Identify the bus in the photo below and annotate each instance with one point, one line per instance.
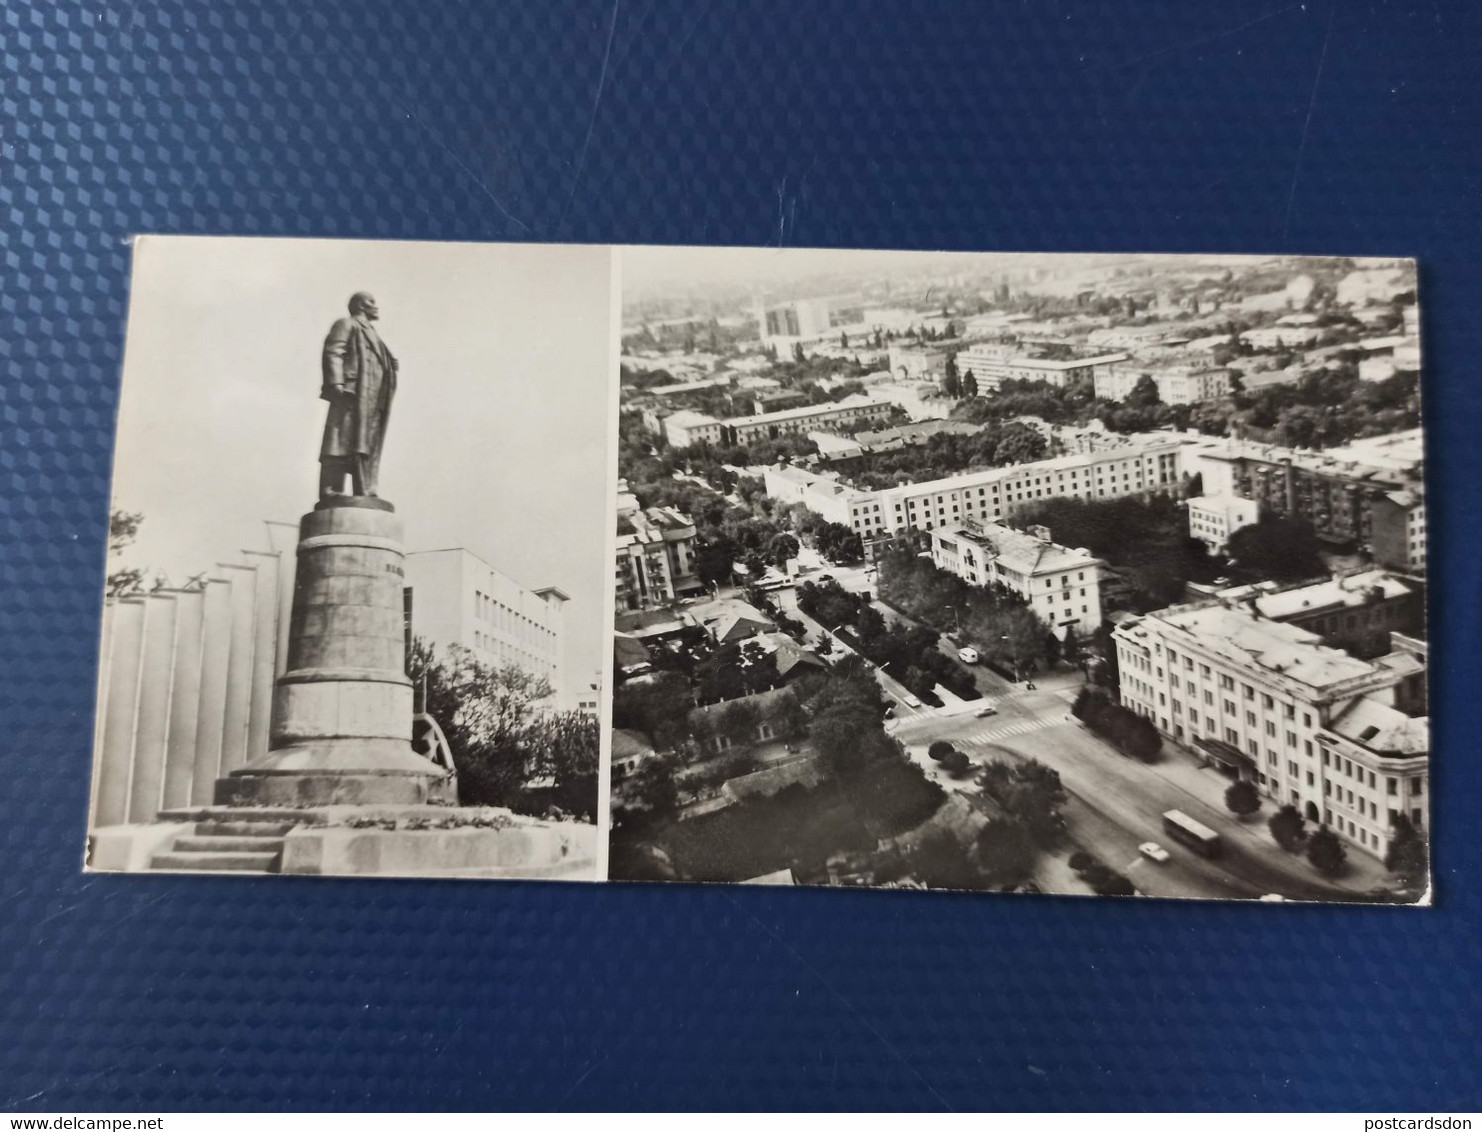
(1198, 837)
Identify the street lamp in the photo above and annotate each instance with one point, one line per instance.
(1015, 648)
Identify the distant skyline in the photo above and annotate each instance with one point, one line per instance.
(498, 438)
(650, 273)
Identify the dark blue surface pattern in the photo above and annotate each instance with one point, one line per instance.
(1325, 127)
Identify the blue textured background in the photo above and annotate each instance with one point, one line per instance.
(1325, 127)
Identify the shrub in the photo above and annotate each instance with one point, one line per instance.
(939, 750)
(1080, 861)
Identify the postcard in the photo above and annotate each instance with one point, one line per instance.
(1011, 573)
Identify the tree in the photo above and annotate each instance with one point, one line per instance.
(1326, 852)
(1277, 547)
(939, 750)
(969, 384)
(500, 736)
(786, 716)
(951, 382)
(648, 794)
(1242, 798)
(1029, 792)
(1112, 883)
(123, 529)
(1408, 857)
(956, 763)
(1143, 394)
(782, 548)
(1287, 828)
(738, 722)
(1006, 851)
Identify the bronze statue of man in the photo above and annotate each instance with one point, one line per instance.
(359, 380)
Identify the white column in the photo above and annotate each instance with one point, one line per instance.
(237, 716)
(152, 729)
(264, 651)
(185, 699)
(116, 754)
(216, 637)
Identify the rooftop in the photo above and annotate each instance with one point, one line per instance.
(854, 401)
(688, 418)
(1019, 550)
(1275, 646)
(1335, 593)
(1383, 729)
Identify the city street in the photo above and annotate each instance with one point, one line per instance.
(1116, 803)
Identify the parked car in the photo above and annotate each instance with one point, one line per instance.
(967, 655)
(985, 711)
(912, 701)
(1273, 898)
(1153, 851)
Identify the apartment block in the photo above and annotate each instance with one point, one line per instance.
(655, 554)
(801, 421)
(1370, 493)
(1061, 585)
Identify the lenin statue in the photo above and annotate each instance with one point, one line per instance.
(359, 380)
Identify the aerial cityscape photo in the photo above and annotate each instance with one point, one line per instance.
(1021, 573)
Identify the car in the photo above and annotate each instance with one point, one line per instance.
(967, 655)
(1153, 851)
(912, 701)
(1273, 898)
(824, 578)
(985, 711)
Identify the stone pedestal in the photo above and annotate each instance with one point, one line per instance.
(341, 724)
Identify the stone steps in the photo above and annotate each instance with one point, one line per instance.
(215, 862)
(217, 843)
(242, 828)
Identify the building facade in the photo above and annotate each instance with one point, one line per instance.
(801, 421)
(1143, 463)
(1312, 726)
(655, 554)
(1342, 492)
(1214, 518)
(1061, 585)
(459, 599)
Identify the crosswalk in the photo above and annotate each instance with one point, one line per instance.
(1017, 727)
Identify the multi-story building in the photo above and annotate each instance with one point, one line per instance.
(459, 599)
(820, 492)
(1061, 585)
(1342, 492)
(655, 554)
(1397, 535)
(1357, 612)
(1138, 464)
(1182, 384)
(991, 371)
(918, 362)
(1268, 701)
(801, 421)
(684, 428)
(1148, 462)
(1214, 518)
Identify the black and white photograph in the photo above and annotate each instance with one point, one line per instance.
(358, 571)
(1064, 574)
